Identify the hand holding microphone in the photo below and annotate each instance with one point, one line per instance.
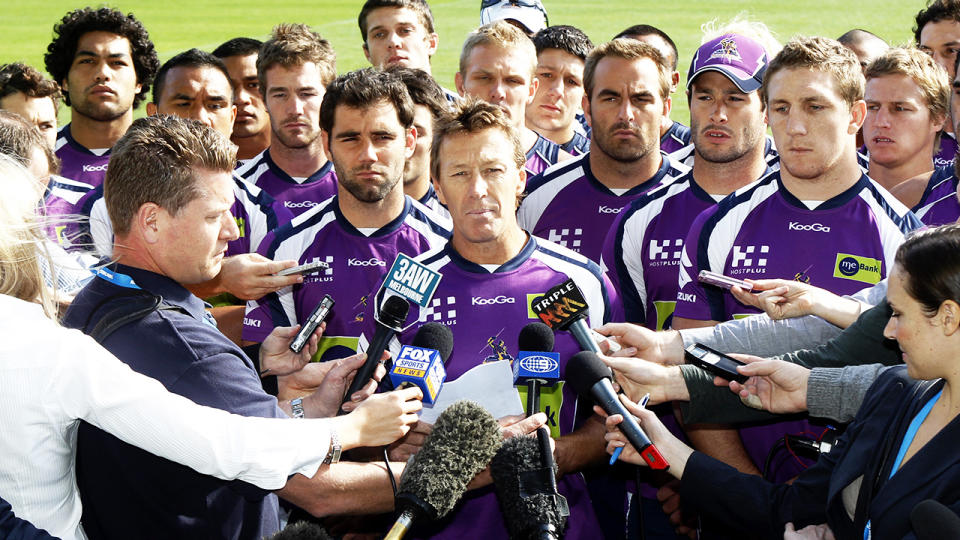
(392, 315)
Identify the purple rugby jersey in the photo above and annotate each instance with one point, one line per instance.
(947, 151)
(641, 254)
(486, 309)
(357, 262)
(577, 146)
(541, 156)
(762, 231)
(939, 205)
(296, 195)
(569, 206)
(79, 163)
(675, 138)
(62, 200)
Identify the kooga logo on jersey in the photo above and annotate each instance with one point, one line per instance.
(815, 227)
(369, 262)
(95, 168)
(480, 301)
(608, 210)
(301, 204)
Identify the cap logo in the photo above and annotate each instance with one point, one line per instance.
(727, 50)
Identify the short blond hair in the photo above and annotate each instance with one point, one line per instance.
(628, 49)
(472, 115)
(498, 34)
(156, 161)
(932, 79)
(293, 45)
(821, 54)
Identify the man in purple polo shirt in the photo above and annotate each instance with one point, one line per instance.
(498, 65)
(574, 203)
(294, 67)
(818, 219)
(104, 61)
(367, 119)
(492, 269)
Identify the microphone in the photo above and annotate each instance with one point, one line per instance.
(591, 377)
(421, 364)
(432, 335)
(527, 491)
(535, 364)
(564, 308)
(932, 520)
(392, 316)
(462, 442)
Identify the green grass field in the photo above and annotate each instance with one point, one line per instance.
(176, 25)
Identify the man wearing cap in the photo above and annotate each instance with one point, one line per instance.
(527, 15)
(574, 203)
(641, 254)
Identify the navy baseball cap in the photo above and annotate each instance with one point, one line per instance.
(740, 58)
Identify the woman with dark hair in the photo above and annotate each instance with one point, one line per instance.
(900, 449)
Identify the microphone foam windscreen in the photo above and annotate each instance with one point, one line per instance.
(933, 520)
(462, 442)
(435, 336)
(536, 336)
(394, 311)
(584, 370)
(522, 489)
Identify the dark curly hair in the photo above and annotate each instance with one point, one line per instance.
(78, 22)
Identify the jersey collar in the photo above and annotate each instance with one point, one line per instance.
(323, 171)
(394, 224)
(513, 264)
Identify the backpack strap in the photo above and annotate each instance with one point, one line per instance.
(138, 305)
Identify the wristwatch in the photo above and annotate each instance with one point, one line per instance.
(296, 407)
(333, 456)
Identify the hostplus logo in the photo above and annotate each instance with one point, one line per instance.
(666, 252)
(323, 275)
(568, 238)
(441, 310)
(747, 258)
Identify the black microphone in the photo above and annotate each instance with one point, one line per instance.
(436, 336)
(932, 520)
(564, 308)
(431, 335)
(462, 442)
(532, 509)
(591, 377)
(392, 316)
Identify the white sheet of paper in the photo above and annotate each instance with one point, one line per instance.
(490, 385)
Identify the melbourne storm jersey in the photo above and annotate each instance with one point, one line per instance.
(947, 151)
(569, 206)
(578, 145)
(541, 155)
(762, 231)
(79, 163)
(62, 206)
(295, 194)
(486, 309)
(641, 254)
(357, 263)
(939, 204)
(431, 201)
(675, 138)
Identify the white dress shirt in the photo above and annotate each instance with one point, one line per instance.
(52, 377)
